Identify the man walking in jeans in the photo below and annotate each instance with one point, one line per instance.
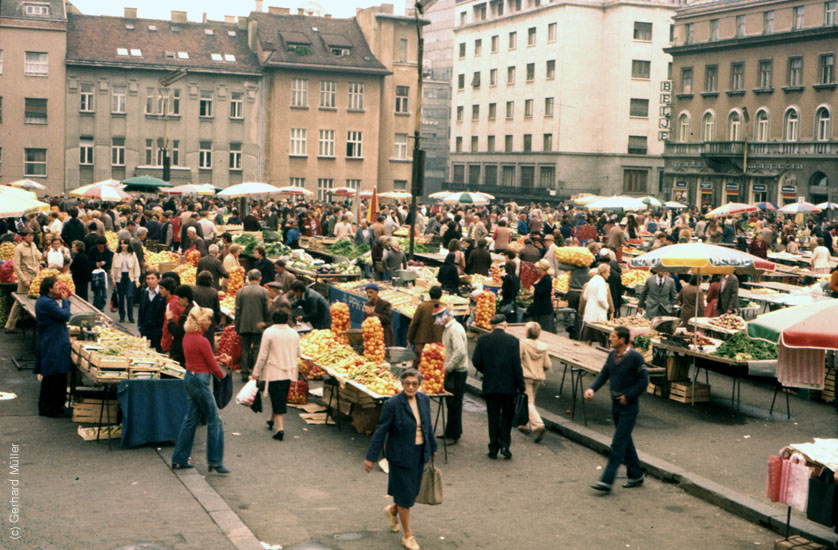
(627, 370)
(497, 356)
(251, 319)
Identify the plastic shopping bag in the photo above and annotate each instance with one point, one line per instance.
(247, 394)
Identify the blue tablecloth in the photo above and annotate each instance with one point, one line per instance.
(152, 410)
(356, 314)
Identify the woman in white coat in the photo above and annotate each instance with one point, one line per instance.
(596, 296)
(126, 271)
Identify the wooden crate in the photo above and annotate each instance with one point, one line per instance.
(797, 542)
(661, 390)
(677, 367)
(88, 410)
(106, 432)
(828, 393)
(682, 392)
(109, 362)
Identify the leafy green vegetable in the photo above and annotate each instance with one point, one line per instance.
(746, 347)
(346, 249)
(641, 342)
(247, 242)
(418, 248)
(276, 249)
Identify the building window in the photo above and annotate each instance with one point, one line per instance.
(35, 111)
(475, 80)
(474, 144)
(162, 101)
(493, 111)
(118, 151)
(527, 143)
(461, 82)
(791, 125)
(118, 99)
(513, 40)
(547, 143)
(639, 108)
(235, 156)
(528, 108)
(546, 177)
(478, 47)
(548, 106)
(298, 142)
(765, 69)
(299, 92)
(714, 30)
(530, 72)
(733, 127)
(762, 126)
(353, 183)
(86, 98)
(490, 144)
(823, 125)
(36, 64)
(531, 36)
(480, 12)
(507, 142)
(768, 22)
(527, 176)
(458, 145)
(711, 78)
(324, 188)
(490, 174)
(687, 80)
(175, 156)
(149, 152)
(475, 112)
(462, 48)
(642, 31)
(493, 77)
(236, 105)
(463, 19)
(551, 32)
(35, 162)
(634, 181)
(737, 76)
(356, 96)
(510, 110)
(797, 18)
(400, 146)
(403, 50)
(689, 31)
(354, 141)
(328, 89)
(205, 155)
(641, 69)
(205, 106)
(297, 182)
(36, 9)
(326, 144)
(684, 128)
(495, 40)
(550, 73)
(474, 172)
(795, 71)
(637, 145)
(708, 127)
(826, 68)
(459, 113)
(174, 107)
(829, 13)
(459, 173)
(740, 26)
(508, 176)
(86, 151)
(510, 76)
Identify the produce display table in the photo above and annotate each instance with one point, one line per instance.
(401, 322)
(705, 324)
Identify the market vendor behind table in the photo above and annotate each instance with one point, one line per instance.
(315, 307)
(53, 361)
(381, 308)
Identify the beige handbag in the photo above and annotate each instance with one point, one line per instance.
(430, 491)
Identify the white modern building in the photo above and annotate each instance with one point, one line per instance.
(552, 99)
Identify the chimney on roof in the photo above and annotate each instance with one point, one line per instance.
(259, 6)
(328, 16)
(230, 19)
(301, 11)
(204, 18)
(178, 16)
(252, 28)
(387, 8)
(130, 13)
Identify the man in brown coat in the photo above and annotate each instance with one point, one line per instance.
(381, 308)
(423, 330)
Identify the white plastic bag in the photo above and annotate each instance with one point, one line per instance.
(247, 394)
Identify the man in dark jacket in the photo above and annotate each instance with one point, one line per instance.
(479, 260)
(729, 294)
(207, 296)
(381, 308)
(185, 239)
(497, 357)
(626, 369)
(315, 307)
(423, 330)
(152, 310)
(73, 229)
(211, 263)
(264, 265)
(251, 319)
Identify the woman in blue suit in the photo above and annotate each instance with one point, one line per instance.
(52, 311)
(405, 426)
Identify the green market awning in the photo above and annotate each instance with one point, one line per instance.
(145, 182)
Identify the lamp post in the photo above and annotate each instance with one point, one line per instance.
(166, 81)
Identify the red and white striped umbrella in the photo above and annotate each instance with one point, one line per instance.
(731, 209)
(799, 208)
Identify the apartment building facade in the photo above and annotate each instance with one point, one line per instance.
(552, 99)
(32, 50)
(147, 86)
(754, 102)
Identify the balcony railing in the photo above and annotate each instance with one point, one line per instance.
(758, 148)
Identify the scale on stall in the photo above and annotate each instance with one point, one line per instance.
(81, 325)
(665, 326)
(400, 359)
(404, 277)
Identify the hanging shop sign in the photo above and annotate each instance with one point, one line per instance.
(760, 188)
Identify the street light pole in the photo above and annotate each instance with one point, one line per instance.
(166, 81)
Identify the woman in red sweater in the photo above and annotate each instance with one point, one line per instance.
(200, 365)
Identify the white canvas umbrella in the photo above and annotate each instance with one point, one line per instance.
(28, 184)
(80, 191)
(651, 201)
(396, 195)
(190, 189)
(247, 189)
(731, 209)
(294, 190)
(799, 208)
(628, 204)
(18, 202)
(674, 204)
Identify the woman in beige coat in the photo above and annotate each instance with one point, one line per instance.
(534, 361)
